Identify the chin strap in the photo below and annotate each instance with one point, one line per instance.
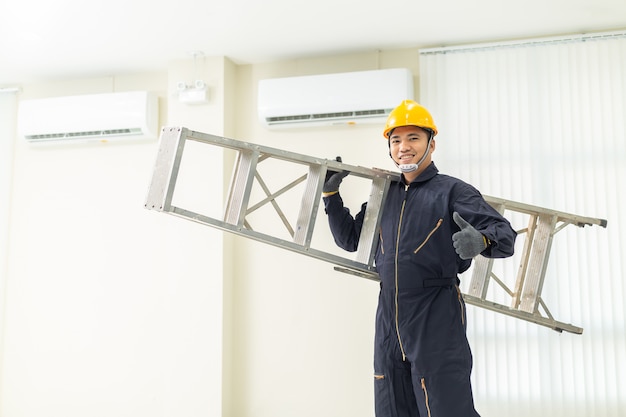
(413, 167)
(408, 167)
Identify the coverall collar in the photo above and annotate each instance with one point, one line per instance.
(430, 171)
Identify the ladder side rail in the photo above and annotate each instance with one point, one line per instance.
(532, 318)
(223, 142)
(531, 209)
(367, 270)
(280, 154)
(538, 262)
(331, 164)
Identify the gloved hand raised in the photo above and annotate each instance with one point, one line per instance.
(332, 183)
(333, 180)
(468, 242)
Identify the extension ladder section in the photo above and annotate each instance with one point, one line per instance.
(525, 297)
(245, 175)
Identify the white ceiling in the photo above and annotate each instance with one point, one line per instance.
(44, 40)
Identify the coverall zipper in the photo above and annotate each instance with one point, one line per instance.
(396, 273)
(396, 267)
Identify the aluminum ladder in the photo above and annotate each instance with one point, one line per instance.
(525, 296)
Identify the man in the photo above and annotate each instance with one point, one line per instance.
(432, 227)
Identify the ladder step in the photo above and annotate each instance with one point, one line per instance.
(239, 194)
(538, 262)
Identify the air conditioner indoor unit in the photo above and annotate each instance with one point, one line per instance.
(333, 99)
(93, 117)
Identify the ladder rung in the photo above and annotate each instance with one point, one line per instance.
(239, 193)
(310, 203)
(373, 214)
(539, 255)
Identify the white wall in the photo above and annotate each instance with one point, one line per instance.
(110, 309)
(8, 116)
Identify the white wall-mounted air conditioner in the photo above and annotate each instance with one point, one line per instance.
(93, 117)
(333, 99)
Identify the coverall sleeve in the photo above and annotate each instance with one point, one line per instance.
(471, 205)
(345, 229)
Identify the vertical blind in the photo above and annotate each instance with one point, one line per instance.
(543, 122)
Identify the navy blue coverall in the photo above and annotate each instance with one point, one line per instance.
(422, 359)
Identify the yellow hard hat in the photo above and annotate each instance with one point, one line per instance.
(409, 113)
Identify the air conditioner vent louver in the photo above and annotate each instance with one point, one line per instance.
(346, 115)
(332, 99)
(279, 119)
(374, 112)
(103, 134)
(95, 117)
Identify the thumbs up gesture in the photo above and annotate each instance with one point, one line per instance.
(468, 242)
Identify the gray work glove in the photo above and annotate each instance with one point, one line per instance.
(333, 179)
(468, 242)
(332, 183)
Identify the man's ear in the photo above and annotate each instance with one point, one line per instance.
(432, 145)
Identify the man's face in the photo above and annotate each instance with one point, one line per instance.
(407, 145)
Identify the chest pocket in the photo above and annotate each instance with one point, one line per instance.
(429, 235)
